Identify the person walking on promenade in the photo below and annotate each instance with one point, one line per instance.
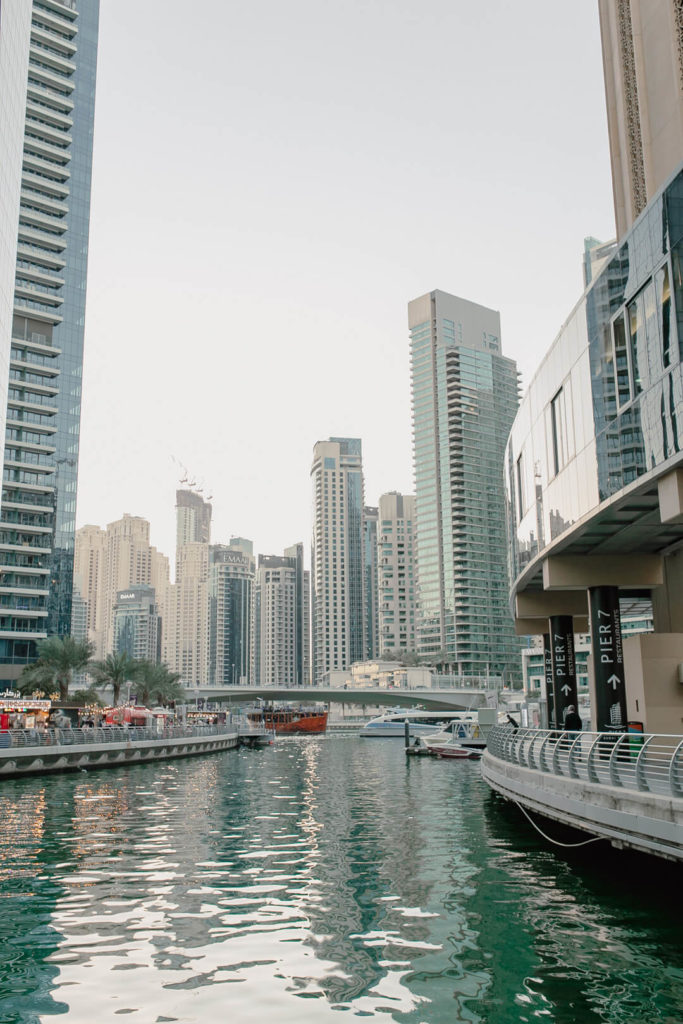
(572, 720)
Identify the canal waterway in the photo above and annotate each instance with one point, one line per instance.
(318, 880)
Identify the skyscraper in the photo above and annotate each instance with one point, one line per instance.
(193, 519)
(337, 555)
(232, 573)
(15, 29)
(281, 622)
(303, 615)
(107, 562)
(396, 573)
(642, 48)
(464, 396)
(185, 634)
(37, 520)
(371, 624)
(136, 624)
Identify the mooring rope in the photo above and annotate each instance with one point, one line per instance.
(569, 846)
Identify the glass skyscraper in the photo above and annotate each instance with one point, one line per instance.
(464, 396)
(44, 395)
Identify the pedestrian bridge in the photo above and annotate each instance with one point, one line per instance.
(430, 699)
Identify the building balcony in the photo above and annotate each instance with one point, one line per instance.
(26, 570)
(48, 187)
(39, 294)
(49, 372)
(56, 102)
(55, 173)
(47, 126)
(15, 634)
(25, 591)
(43, 239)
(39, 257)
(41, 275)
(25, 403)
(55, 39)
(40, 52)
(51, 78)
(64, 14)
(42, 221)
(54, 206)
(36, 144)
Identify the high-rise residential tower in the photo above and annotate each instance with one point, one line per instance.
(337, 555)
(185, 634)
(15, 29)
(113, 560)
(371, 624)
(281, 621)
(137, 625)
(232, 573)
(397, 573)
(303, 615)
(464, 396)
(193, 519)
(37, 519)
(642, 50)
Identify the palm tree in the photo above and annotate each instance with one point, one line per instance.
(114, 671)
(158, 684)
(88, 696)
(58, 658)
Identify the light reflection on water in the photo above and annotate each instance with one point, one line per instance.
(316, 878)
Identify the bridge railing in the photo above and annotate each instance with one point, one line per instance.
(646, 762)
(109, 734)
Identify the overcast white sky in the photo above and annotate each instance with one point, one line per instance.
(272, 183)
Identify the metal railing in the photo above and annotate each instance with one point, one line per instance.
(645, 762)
(110, 734)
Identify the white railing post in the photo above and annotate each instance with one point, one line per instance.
(590, 762)
(573, 774)
(641, 780)
(541, 754)
(614, 778)
(674, 784)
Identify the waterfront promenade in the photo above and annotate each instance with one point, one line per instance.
(31, 751)
(624, 788)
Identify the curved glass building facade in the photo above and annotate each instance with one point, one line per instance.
(602, 421)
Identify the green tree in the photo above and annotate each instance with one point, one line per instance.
(58, 658)
(89, 696)
(157, 684)
(114, 671)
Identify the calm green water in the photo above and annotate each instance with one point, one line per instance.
(318, 880)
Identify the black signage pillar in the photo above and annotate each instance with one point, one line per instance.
(608, 660)
(564, 665)
(549, 692)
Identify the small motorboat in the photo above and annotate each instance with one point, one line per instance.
(457, 750)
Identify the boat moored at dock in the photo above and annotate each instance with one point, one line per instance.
(289, 720)
(420, 723)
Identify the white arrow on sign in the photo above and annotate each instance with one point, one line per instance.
(566, 690)
(613, 681)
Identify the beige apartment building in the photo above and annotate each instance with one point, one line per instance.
(184, 644)
(113, 560)
(396, 567)
(642, 47)
(185, 634)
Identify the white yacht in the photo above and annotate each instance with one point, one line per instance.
(421, 723)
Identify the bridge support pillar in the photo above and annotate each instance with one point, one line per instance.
(564, 665)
